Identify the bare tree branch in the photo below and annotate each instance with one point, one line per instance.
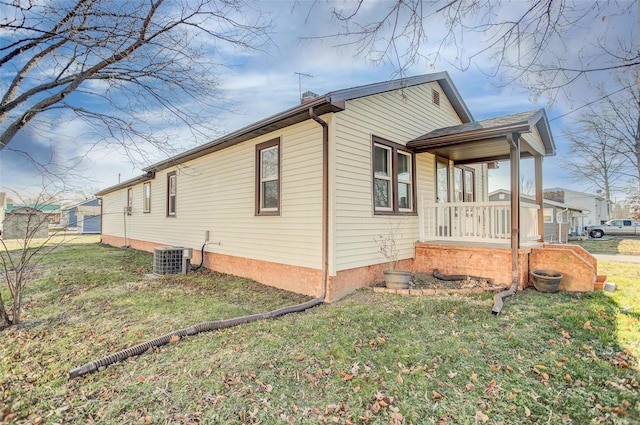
(116, 64)
(531, 42)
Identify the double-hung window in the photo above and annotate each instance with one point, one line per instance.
(268, 178)
(393, 184)
(172, 191)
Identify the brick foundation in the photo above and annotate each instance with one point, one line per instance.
(578, 267)
(301, 280)
(347, 281)
(451, 259)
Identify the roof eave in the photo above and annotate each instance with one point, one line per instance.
(130, 182)
(469, 136)
(542, 125)
(321, 105)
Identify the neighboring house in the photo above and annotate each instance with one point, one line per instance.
(296, 200)
(83, 217)
(25, 222)
(597, 207)
(560, 220)
(52, 212)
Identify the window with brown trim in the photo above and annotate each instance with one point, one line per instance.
(172, 193)
(146, 197)
(393, 178)
(268, 178)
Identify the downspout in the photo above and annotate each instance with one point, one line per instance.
(325, 199)
(514, 153)
(222, 324)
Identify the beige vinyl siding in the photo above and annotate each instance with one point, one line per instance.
(397, 116)
(113, 212)
(216, 193)
(534, 140)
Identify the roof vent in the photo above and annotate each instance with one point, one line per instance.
(308, 96)
(436, 97)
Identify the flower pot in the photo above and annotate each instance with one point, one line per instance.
(397, 280)
(546, 280)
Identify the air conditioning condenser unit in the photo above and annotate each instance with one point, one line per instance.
(171, 260)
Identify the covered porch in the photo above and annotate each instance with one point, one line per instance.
(510, 137)
(498, 240)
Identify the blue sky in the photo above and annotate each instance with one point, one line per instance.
(261, 84)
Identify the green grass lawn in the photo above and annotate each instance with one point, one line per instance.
(611, 245)
(368, 359)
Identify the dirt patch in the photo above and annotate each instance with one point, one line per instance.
(428, 281)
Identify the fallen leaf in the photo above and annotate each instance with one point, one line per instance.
(527, 412)
(481, 416)
(399, 379)
(436, 395)
(587, 325)
(174, 338)
(470, 387)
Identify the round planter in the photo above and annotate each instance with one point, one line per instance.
(546, 280)
(397, 280)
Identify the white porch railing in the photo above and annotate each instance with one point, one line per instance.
(476, 221)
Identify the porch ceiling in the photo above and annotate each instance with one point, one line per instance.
(486, 140)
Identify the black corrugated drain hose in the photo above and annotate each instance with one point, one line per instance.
(201, 327)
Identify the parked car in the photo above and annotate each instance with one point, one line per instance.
(624, 227)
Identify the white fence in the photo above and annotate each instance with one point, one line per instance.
(476, 221)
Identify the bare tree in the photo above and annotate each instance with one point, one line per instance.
(121, 67)
(26, 240)
(621, 115)
(595, 157)
(543, 44)
(526, 186)
(633, 204)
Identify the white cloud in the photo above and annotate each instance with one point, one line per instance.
(260, 84)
